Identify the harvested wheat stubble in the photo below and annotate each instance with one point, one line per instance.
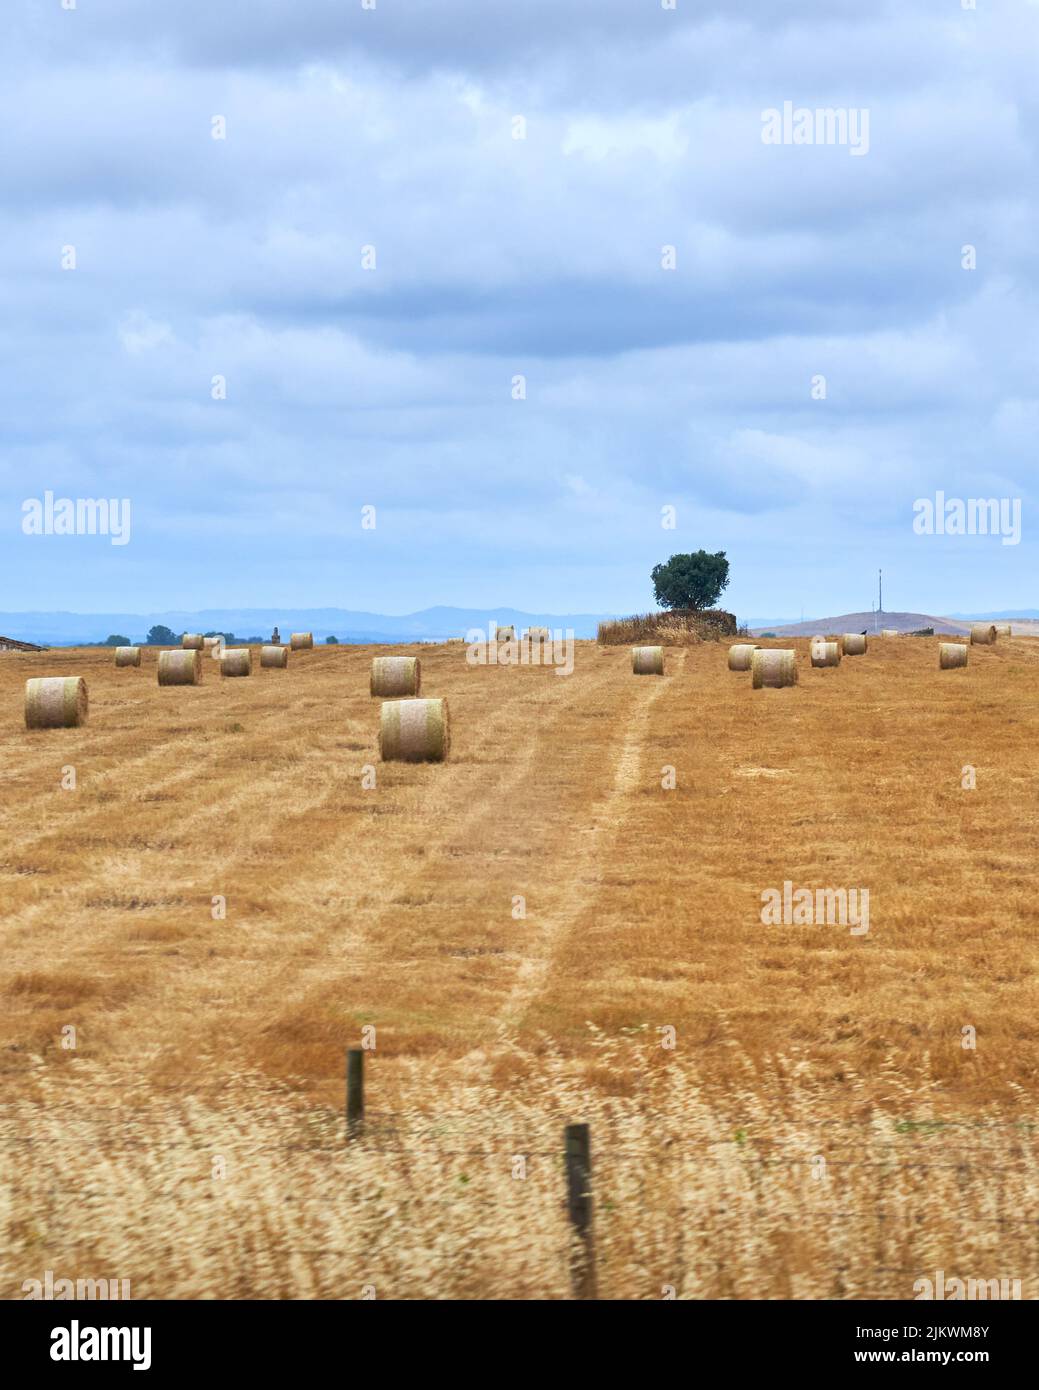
(128, 656)
(395, 675)
(825, 653)
(647, 661)
(414, 731)
(276, 657)
(854, 644)
(889, 632)
(192, 641)
(505, 634)
(774, 667)
(982, 634)
(236, 661)
(55, 702)
(180, 667)
(740, 655)
(1003, 630)
(300, 641)
(951, 655)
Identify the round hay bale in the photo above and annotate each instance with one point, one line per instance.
(774, 667)
(414, 731)
(395, 675)
(505, 634)
(180, 667)
(982, 634)
(538, 634)
(1004, 630)
(192, 641)
(647, 661)
(889, 632)
(56, 702)
(210, 644)
(825, 653)
(236, 661)
(128, 656)
(739, 656)
(854, 644)
(301, 641)
(275, 657)
(952, 655)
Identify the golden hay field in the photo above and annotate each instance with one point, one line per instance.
(818, 1129)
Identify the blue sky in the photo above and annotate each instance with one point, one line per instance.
(347, 387)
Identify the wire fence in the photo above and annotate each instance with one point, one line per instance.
(882, 1146)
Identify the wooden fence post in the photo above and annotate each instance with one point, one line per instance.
(354, 1091)
(578, 1159)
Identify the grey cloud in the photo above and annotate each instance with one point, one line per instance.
(420, 34)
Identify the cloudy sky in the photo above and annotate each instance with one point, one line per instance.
(389, 134)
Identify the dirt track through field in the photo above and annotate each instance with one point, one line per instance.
(578, 864)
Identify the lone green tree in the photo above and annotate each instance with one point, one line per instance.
(160, 636)
(691, 581)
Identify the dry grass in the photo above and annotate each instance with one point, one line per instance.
(199, 1038)
(677, 629)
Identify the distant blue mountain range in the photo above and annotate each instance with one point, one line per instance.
(756, 624)
(1030, 613)
(431, 624)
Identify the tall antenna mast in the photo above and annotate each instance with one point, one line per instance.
(880, 591)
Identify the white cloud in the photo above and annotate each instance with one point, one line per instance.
(138, 333)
